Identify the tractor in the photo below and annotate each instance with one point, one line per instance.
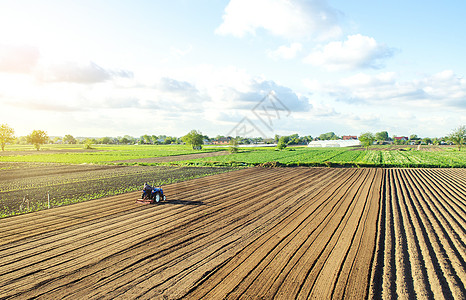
(151, 195)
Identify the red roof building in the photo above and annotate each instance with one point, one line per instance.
(349, 137)
(222, 141)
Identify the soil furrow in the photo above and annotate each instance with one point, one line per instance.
(422, 223)
(213, 213)
(261, 233)
(137, 233)
(232, 269)
(422, 232)
(247, 210)
(421, 285)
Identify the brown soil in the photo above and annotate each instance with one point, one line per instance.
(21, 170)
(254, 233)
(422, 235)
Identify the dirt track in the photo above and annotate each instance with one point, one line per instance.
(271, 233)
(173, 157)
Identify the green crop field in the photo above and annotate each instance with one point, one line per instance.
(382, 156)
(343, 157)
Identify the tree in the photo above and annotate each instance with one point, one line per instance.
(294, 136)
(285, 139)
(6, 135)
(170, 140)
(427, 141)
(69, 139)
(328, 136)
(293, 139)
(367, 139)
(126, 140)
(307, 139)
(37, 138)
(233, 148)
(153, 139)
(381, 136)
(193, 138)
(458, 136)
(282, 141)
(88, 143)
(206, 138)
(105, 140)
(22, 140)
(413, 137)
(145, 139)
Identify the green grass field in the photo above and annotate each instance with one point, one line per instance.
(74, 154)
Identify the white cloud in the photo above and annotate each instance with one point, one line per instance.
(18, 59)
(358, 51)
(27, 60)
(284, 52)
(362, 79)
(234, 89)
(288, 19)
(222, 96)
(443, 89)
(181, 52)
(79, 73)
(43, 105)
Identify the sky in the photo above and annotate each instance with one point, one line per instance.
(238, 67)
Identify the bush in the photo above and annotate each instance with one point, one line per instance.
(233, 146)
(281, 143)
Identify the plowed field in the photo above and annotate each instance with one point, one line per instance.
(254, 233)
(421, 249)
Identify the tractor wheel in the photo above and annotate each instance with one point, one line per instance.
(164, 198)
(157, 197)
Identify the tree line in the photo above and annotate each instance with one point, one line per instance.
(196, 139)
(457, 137)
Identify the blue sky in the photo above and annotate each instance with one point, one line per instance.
(110, 68)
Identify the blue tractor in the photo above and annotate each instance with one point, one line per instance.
(151, 195)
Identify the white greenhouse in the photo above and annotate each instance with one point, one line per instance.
(335, 143)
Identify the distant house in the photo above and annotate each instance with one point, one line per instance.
(401, 138)
(349, 137)
(222, 141)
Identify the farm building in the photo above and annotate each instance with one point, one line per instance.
(335, 143)
(349, 137)
(222, 141)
